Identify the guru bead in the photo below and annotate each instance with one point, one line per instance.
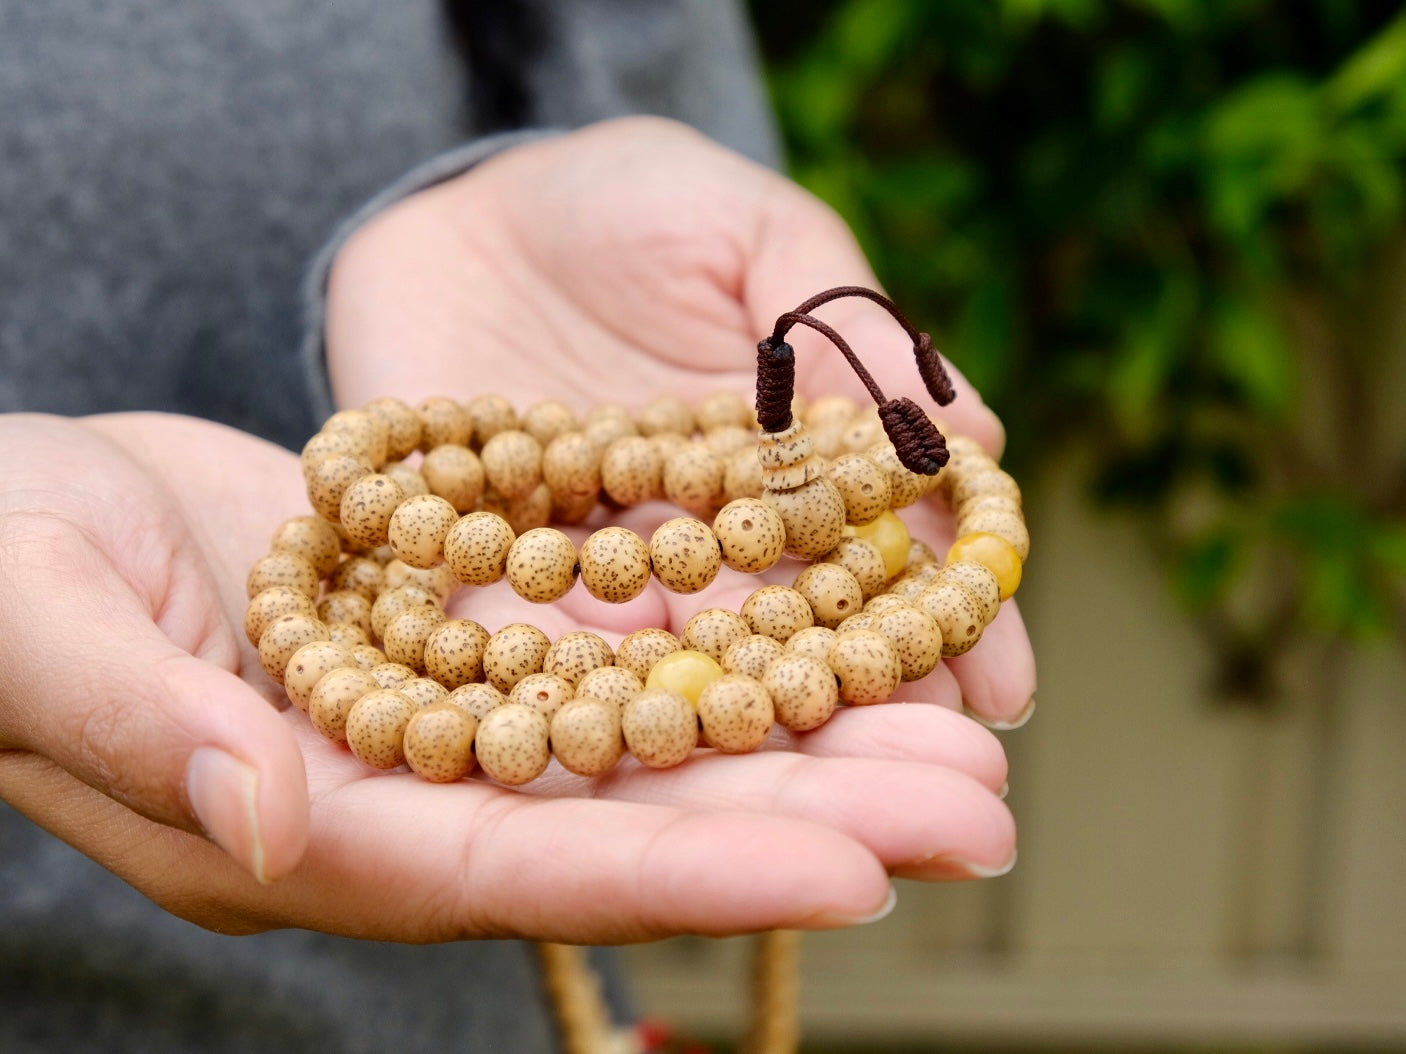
(541, 565)
(575, 654)
(803, 691)
(660, 727)
(439, 742)
(866, 664)
(814, 515)
(513, 744)
(476, 548)
(615, 564)
(750, 534)
(736, 713)
(586, 736)
(417, 530)
(367, 507)
(685, 555)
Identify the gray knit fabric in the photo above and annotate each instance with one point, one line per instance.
(168, 170)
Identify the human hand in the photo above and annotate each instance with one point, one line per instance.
(124, 543)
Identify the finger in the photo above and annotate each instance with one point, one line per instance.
(997, 677)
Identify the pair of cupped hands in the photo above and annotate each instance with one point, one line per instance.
(626, 260)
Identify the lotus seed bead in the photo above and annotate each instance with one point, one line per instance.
(830, 411)
(345, 608)
(282, 637)
(571, 466)
(438, 581)
(544, 692)
(722, 409)
(454, 472)
(908, 588)
(346, 634)
(1007, 525)
(512, 463)
(512, 653)
(814, 515)
(887, 602)
(476, 548)
(604, 431)
(727, 440)
(736, 713)
(477, 698)
(803, 691)
(988, 503)
(367, 656)
(442, 420)
(995, 554)
(489, 415)
(864, 486)
(866, 664)
(863, 560)
(394, 601)
(454, 652)
(541, 565)
(282, 569)
(329, 444)
(660, 727)
(666, 445)
(269, 604)
(693, 480)
(980, 581)
(639, 651)
(328, 482)
(548, 419)
(417, 529)
(513, 744)
(358, 574)
(407, 478)
(685, 673)
(908, 486)
(439, 742)
(406, 634)
(750, 534)
(742, 478)
(586, 736)
(424, 692)
(814, 641)
(831, 591)
(971, 485)
(665, 413)
(685, 555)
(614, 684)
(714, 630)
(958, 615)
(889, 535)
(916, 637)
(575, 654)
(333, 697)
(367, 507)
(615, 564)
(308, 665)
(392, 674)
(312, 538)
(777, 612)
(859, 620)
(632, 471)
(376, 728)
(531, 512)
(752, 655)
(402, 424)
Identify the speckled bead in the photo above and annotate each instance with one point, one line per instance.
(726, 440)
(512, 463)
(814, 641)
(866, 664)
(957, 613)
(863, 431)
(543, 692)
(358, 574)
(407, 478)
(477, 698)
(376, 728)
(586, 736)
(613, 684)
(742, 475)
(286, 570)
(859, 620)
(423, 692)
(343, 607)
(346, 634)
(724, 409)
(329, 479)
(439, 742)
(546, 420)
(330, 444)
(512, 653)
(443, 420)
(367, 656)
(995, 554)
(803, 691)
(571, 465)
(438, 580)
(406, 634)
(693, 480)
(575, 654)
(814, 515)
(916, 637)
(1007, 525)
(367, 507)
(752, 655)
(660, 727)
(476, 548)
(333, 696)
(312, 538)
(454, 652)
(777, 612)
(750, 534)
(887, 602)
(284, 636)
(864, 487)
(640, 650)
(907, 487)
(863, 560)
(980, 582)
(541, 565)
(370, 432)
(394, 601)
(665, 413)
(529, 513)
(572, 509)
(513, 744)
(274, 602)
(308, 665)
(615, 564)
(392, 675)
(908, 587)
(489, 415)
(736, 714)
(666, 445)
(417, 529)
(632, 470)
(713, 630)
(831, 591)
(830, 411)
(968, 486)
(605, 429)
(403, 425)
(454, 473)
(685, 555)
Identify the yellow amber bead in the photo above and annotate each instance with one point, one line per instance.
(686, 672)
(890, 536)
(995, 554)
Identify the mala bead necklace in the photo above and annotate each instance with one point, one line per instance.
(347, 609)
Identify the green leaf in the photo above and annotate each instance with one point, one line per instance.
(1377, 68)
(1206, 568)
(1250, 348)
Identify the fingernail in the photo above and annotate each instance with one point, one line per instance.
(944, 867)
(1004, 791)
(223, 792)
(835, 920)
(1007, 726)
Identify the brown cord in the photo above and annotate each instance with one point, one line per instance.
(776, 385)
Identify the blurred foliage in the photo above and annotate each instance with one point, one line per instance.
(1154, 227)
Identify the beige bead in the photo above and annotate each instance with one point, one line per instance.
(777, 612)
(329, 479)
(477, 698)
(443, 420)
(571, 467)
(548, 419)
(603, 431)
(346, 634)
(727, 440)
(1007, 525)
(863, 560)
(750, 534)
(525, 514)
(665, 413)
(439, 581)
(887, 602)
(343, 607)
(407, 478)
(814, 641)
(814, 515)
(752, 654)
(308, 665)
(544, 692)
(631, 471)
(282, 637)
(403, 425)
(921, 553)
(286, 570)
(614, 684)
(376, 728)
(587, 737)
(864, 487)
(512, 653)
(980, 581)
(476, 548)
(723, 409)
(392, 674)
(615, 564)
(394, 601)
(666, 445)
(455, 473)
(908, 587)
(908, 487)
(271, 603)
(830, 411)
(542, 565)
(439, 742)
(367, 507)
(417, 530)
(803, 691)
(970, 485)
(713, 630)
(370, 431)
(575, 654)
(334, 695)
(572, 509)
(742, 475)
(489, 415)
(424, 692)
(330, 444)
(866, 665)
(958, 615)
(863, 431)
(859, 620)
(788, 457)
(832, 592)
(454, 652)
(640, 650)
(512, 464)
(660, 727)
(513, 744)
(367, 656)
(406, 634)
(989, 503)
(916, 637)
(358, 574)
(312, 538)
(693, 480)
(685, 555)
(736, 713)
